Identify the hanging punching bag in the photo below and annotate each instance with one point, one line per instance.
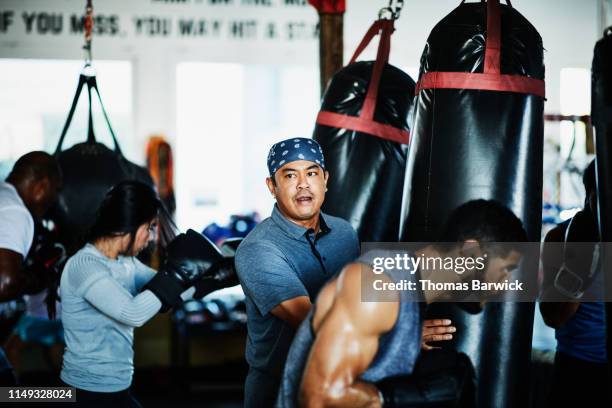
(363, 130)
(478, 133)
(601, 114)
(89, 170)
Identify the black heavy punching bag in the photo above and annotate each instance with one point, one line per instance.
(90, 169)
(363, 130)
(478, 133)
(601, 114)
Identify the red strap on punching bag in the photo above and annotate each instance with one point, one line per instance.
(329, 6)
(490, 79)
(365, 121)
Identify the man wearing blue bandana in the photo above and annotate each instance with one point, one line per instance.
(283, 263)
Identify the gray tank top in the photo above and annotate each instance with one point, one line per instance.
(397, 352)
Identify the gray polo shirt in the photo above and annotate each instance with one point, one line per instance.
(280, 260)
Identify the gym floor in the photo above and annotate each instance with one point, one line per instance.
(211, 386)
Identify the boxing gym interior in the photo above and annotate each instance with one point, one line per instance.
(270, 142)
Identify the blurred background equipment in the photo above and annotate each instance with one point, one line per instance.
(161, 168)
(238, 227)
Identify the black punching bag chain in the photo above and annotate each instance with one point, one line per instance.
(88, 31)
(88, 78)
(392, 11)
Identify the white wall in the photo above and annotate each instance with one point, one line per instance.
(129, 35)
(569, 29)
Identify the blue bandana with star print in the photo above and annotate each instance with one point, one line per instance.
(291, 150)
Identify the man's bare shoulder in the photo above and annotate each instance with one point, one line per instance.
(343, 295)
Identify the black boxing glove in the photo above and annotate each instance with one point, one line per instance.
(43, 266)
(406, 391)
(580, 256)
(190, 257)
(222, 274)
(230, 246)
(451, 386)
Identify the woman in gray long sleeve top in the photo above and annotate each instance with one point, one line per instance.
(102, 299)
